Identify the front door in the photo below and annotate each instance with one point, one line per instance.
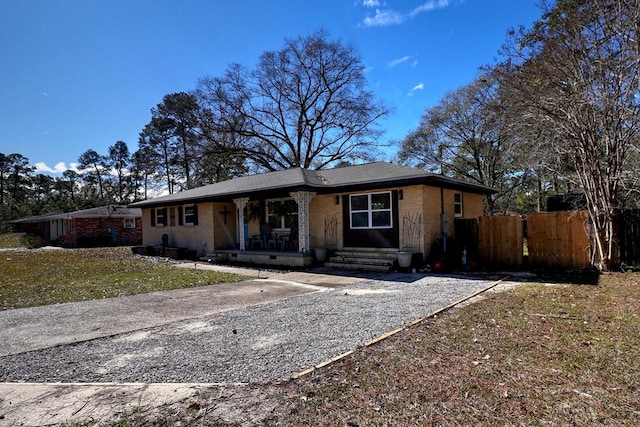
(371, 220)
(55, 229)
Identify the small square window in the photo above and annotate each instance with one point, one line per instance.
(380, 219)
(359, 220)
(380, 201)
(129, 222)
(360, 203)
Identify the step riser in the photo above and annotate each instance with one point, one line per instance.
(363, 260)
(363, 267)
(388, 256)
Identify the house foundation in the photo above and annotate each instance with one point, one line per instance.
(264, 257)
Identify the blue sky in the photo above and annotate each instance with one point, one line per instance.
(83, 74)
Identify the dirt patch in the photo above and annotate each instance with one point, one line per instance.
(53, 404)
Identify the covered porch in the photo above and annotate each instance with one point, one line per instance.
(270, 230)
(276, 223)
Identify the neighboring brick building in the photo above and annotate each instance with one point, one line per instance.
(110, 225)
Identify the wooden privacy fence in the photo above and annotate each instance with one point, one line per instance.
(554, 239)
(500, 240)
(559, 239)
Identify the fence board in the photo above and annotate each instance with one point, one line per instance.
(558, 239)
(500, 240)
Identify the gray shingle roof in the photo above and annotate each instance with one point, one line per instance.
(113, 211)
(365, 176)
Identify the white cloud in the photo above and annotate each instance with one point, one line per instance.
(419, 86)
(58, 168)
(429, 6)
(398, 61)
(384, 18)
(388, 17)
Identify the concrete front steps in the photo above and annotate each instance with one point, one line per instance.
(362, 259)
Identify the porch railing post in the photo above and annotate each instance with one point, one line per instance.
(303, 198)
(241, 203)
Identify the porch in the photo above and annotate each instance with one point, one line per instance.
(289, 258)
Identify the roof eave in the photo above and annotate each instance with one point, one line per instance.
(432, 180)
(226, 197)
(274, 192)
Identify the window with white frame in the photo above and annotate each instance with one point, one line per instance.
(282, 213)
(188, 215)
(372, 210)
(129, 222)
(457, 204)
(159, 217)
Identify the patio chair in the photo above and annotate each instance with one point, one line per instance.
(264, 239)
(256, 239)
(287, 241)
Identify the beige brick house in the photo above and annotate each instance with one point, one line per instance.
(286, 217)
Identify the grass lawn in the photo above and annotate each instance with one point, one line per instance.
(19, 240)
(33, 277)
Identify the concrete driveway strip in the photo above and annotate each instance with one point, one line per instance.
(43, 327)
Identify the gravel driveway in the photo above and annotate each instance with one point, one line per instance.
(256, 344)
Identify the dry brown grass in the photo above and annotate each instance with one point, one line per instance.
(537, 355)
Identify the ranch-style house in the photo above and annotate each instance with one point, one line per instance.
(287, 217)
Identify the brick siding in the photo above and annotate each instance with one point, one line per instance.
(95, 232)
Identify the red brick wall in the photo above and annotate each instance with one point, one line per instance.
(94, 232)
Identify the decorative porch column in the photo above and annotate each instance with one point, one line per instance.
(303, 198)
(241, 203)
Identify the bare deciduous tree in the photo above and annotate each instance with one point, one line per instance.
(576, 74)
(303, 106)
(464, 136)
